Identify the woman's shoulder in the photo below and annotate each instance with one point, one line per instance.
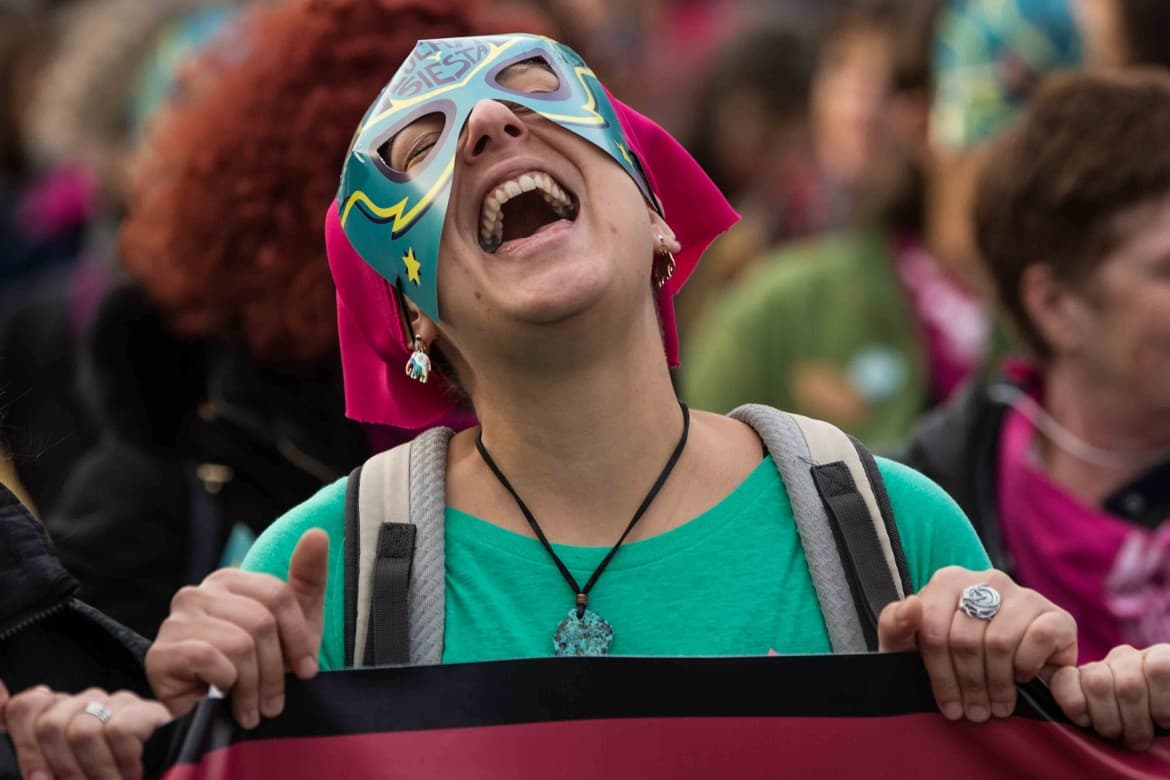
(325, 509)
(933, 529)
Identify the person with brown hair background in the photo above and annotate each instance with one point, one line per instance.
(1063, 463)
(215, 373)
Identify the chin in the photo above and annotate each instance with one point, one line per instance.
(557, 292)
(554, 306)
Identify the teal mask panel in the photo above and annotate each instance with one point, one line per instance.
(395, 219)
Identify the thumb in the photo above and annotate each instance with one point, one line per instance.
(308, 572)
(898, 626)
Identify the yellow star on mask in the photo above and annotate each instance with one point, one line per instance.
(412, 266)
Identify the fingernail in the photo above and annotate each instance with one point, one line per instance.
(978, 713)
(1084, 721)
(273, 706)
(39, 774)
(306, 668)
(251, 719)
(1001, 710)
(952, 710)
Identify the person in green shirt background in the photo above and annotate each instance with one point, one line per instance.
(870, 328)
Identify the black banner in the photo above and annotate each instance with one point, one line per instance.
(867, 716)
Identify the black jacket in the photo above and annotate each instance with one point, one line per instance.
(48, 636)
(195, 439)
(957, 446)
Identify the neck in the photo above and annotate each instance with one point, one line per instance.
(581, 442)
(1108, 418)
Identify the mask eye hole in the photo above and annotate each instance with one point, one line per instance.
(414, 144)
(532, 76)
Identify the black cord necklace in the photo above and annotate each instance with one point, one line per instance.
(583, 631)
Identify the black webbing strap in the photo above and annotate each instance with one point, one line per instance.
(878, 486)
(861, 553)
(352, 566)
(389, 628)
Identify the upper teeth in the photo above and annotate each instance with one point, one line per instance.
(491, 226)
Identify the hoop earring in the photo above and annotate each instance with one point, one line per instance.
(418, 367)
(663, 268)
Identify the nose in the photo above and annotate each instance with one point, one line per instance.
(491, 126)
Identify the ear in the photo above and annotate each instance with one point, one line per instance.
(658, 227)
(421, 325)
(1058, 314)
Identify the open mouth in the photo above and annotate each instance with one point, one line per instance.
(522, 206)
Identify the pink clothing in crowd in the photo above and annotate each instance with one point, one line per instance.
(1112, 575)
(954, 323)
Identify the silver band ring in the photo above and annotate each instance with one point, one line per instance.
(980, 601)
(99, 711)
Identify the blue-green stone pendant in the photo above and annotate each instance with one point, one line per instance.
(589, 634)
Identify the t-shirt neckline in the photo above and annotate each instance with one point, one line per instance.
(761, 482)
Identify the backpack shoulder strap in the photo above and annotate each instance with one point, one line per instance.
(395, 575)
(843, 520)
(858, 525)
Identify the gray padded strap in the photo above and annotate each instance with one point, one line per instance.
(786, 443)
(382, 498)
(428, 577)
(828, 444)
(407, 484)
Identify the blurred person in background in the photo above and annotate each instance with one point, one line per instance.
(658, 54)
(857, 64)
(870, 328)
(1063, 462)
(77, 111)
(989, 60)
(33, 236)
(751, 133)
(215, 373)
(44, 215)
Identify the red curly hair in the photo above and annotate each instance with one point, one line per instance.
(224, 228)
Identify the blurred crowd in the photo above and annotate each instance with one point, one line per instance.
(169, 371)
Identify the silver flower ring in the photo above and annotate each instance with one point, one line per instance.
(980, 601)
(99, 711)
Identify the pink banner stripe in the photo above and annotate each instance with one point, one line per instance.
(900, 747)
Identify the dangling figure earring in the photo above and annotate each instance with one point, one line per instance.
(419, 365)
(665, 269)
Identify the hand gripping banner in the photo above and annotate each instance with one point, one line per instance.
(868, 716)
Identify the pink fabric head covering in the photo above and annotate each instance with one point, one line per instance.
(373, 349)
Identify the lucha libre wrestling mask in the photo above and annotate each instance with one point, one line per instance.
(394, 219)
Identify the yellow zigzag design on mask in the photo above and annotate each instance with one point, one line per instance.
(402, 218)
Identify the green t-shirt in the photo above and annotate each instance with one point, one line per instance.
(732, 581)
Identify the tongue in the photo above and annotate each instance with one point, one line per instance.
(525, 215)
